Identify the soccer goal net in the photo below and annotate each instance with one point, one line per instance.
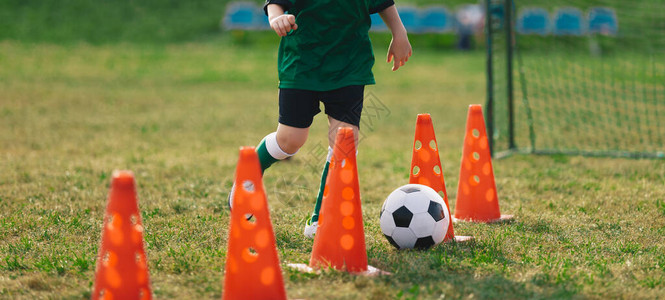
(576, 77)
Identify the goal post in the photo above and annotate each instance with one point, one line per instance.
(576, 77)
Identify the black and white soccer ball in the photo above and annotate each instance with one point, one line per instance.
(414, 216)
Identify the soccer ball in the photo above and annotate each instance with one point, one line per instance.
(414, 216)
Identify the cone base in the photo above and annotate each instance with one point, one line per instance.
(371, 271)
(502, 219)
(461, 239)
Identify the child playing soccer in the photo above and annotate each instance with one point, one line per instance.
(325, 55)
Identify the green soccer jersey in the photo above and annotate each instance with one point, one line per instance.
(331, 47)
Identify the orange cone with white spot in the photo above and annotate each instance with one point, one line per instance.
(252, 268)
(340, 238)
(122, 271)
(477, 199)
(426, 167)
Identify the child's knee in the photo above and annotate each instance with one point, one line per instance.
(291, 144)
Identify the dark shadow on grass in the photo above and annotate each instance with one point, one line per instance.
(460, 270)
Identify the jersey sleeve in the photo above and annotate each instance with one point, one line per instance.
(376, 6)
(285, 4)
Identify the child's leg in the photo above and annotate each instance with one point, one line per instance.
(277, 146)
(333, 126)
(319, 196)
(343, 107)
(297, 109)
(281, 144)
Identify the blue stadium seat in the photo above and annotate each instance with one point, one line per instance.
(436, 19)
(410, 18)
(533, 20)
(242, 15)
(264, 23)
(568, 21)
(603, 20)
(377, 23)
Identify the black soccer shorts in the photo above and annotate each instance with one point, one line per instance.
(298, 107)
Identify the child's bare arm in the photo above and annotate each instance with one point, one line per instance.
(400, 48)
(281, 23)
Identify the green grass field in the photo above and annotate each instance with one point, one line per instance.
(177, 114)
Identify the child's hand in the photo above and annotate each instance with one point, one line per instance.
(283, 24)
(399, 51)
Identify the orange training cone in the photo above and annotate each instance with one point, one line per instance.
(340, 237)
(252, 268)
(476, 192)
(426, 167)
(122, 271)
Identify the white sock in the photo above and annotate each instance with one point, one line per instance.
(330, 153)
(273, 147)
